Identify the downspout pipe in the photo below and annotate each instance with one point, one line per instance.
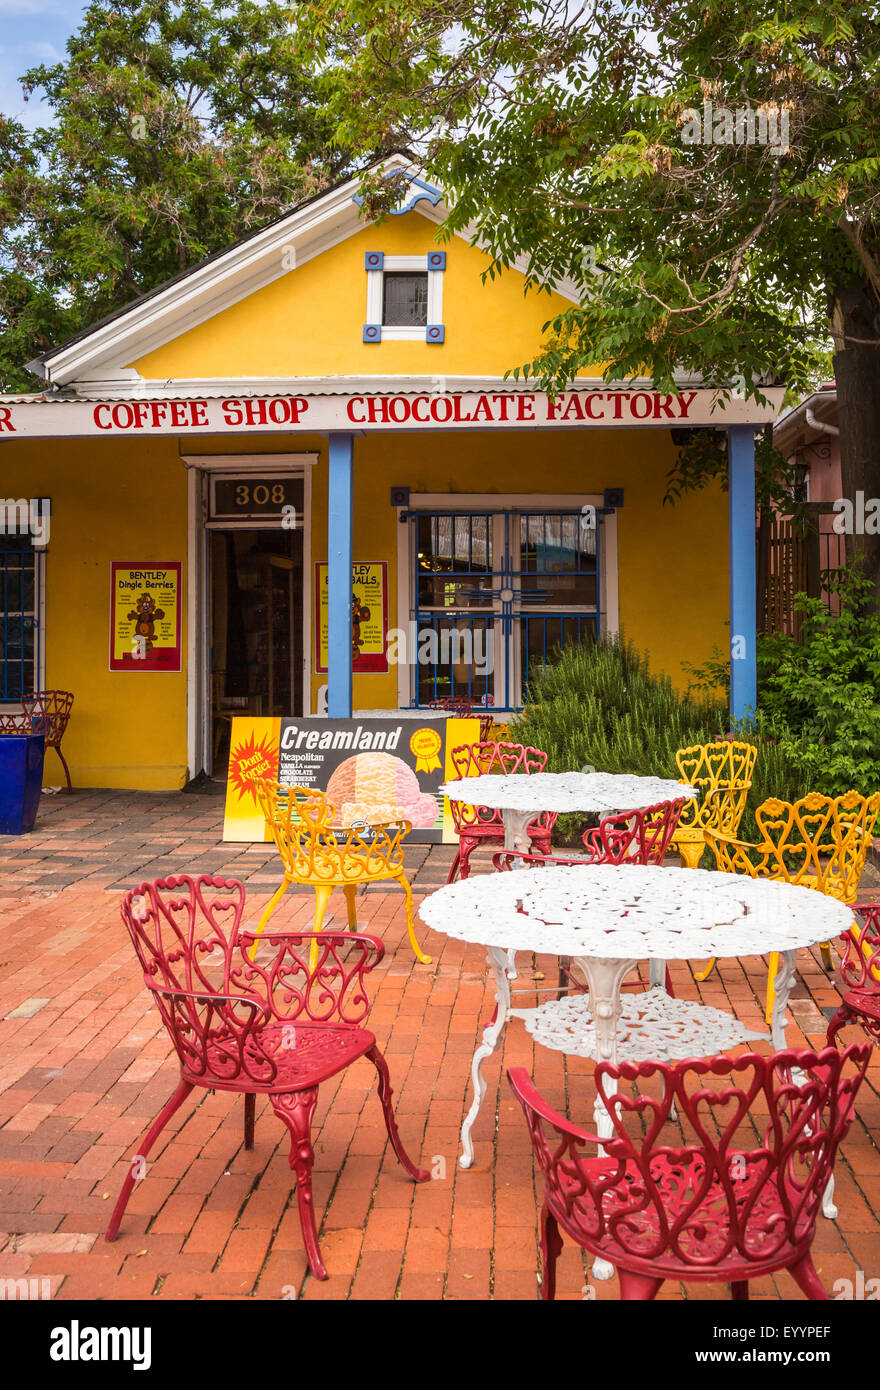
(820, 425)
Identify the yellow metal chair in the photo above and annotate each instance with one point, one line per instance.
(723, 774)
(819, 842)
(316, 852)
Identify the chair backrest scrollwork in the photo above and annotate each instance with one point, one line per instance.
(635, 837)
(722, 772)
(314, 849)
(718, 1194)
(48, 712)
(225, 1013)
(495, 759)
(819, 841)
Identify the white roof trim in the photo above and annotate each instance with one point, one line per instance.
(792, 423)
(182, 388)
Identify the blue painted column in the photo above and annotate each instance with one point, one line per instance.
(743, 598)
(339, 558)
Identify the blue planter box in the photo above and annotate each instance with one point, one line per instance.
(21, 779)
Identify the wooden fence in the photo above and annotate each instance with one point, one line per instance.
(791, 562)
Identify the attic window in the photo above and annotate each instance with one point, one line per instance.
(404, 299)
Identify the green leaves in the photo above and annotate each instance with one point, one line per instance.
(820, 694)
(558, 131)
(599, 704)
(179, 126)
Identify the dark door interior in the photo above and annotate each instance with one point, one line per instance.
(256, 629)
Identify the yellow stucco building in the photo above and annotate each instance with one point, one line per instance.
(314, 424)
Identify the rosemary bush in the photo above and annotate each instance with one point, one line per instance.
(598, 705)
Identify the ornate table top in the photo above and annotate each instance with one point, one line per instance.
(633, 912)
(566, 791)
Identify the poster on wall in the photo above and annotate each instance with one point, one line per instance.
(369, 617)
(372, 770)
(145, 616)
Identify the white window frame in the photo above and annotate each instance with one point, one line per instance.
(419, 264)
(609, 612)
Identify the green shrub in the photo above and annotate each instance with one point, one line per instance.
(598, 705)
(817, 696)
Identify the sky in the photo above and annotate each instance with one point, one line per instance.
(31, 32)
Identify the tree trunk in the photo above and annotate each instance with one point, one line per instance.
(855, 314)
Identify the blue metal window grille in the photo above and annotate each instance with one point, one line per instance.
(509, 586)
(20, 577)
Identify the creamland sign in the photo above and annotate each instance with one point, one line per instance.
(381, 411)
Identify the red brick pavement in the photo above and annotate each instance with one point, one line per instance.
(85, 1066)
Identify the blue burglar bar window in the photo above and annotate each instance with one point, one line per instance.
(521, 585)
(19, 617)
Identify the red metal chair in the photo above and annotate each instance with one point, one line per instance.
(704, 1210)
(627, 837)
(47, 712)
(465, 707)
(273, 1027)
(482, 825)
(860, 975)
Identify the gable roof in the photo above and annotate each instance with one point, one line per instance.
(176, 279)
(98, 354)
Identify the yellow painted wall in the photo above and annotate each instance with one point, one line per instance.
(110, 501)
(310, 321)
(672, 560)
(126, 500)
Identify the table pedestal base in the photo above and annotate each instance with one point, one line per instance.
(516, 837)
(497, 959)
(651, 1025)
(609, 1027)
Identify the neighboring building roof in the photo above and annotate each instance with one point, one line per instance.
(793, 428)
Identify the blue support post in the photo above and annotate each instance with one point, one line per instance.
(339, 562)
(743, 598)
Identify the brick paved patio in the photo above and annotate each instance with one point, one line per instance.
(85, 1065)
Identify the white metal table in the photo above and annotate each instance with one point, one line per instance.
(520, 797)
(610, 917)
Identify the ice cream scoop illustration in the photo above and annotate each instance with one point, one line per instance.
(377, 786)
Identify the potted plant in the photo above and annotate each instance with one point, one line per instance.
(21, 778)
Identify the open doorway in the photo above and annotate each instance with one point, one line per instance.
(255, 633)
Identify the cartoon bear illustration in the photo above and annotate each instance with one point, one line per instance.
(145, 618)
(359, 614)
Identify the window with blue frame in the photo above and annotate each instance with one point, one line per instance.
(496, 594)
(20, 581)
